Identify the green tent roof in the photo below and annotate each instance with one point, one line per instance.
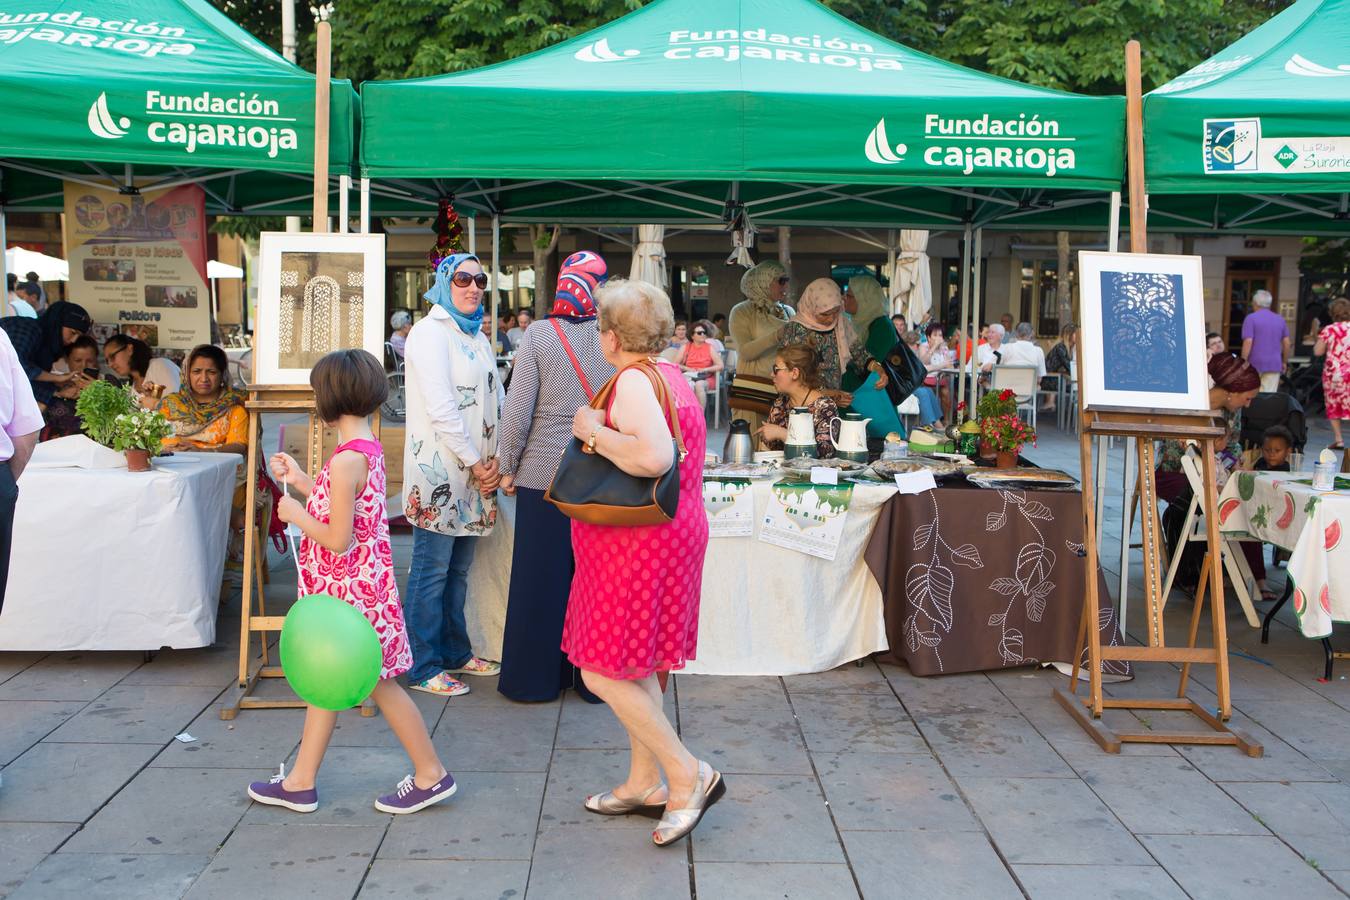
(1268, 115)
(685, 106)
(172, 88)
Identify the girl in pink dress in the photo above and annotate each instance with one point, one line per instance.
(633, 609)
(345, 552)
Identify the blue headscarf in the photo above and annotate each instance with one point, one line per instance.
(439, 295)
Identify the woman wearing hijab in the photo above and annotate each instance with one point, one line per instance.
(820, 324)
(42, 341)
(558, 367)
(755, 325)
(450, 471)
(870, 323)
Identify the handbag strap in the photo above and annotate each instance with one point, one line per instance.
(576, 366)
(663, 398)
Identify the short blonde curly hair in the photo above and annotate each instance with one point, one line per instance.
(638, 312)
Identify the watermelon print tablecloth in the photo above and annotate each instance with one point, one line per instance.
(1282, 508)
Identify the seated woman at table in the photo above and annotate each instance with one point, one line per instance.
(930, 410)
(796, 375)
(936, 355)
(700, 360)
(820, 325)
(1235, 384)
(40, 342)
(62, 420)
(150, 376)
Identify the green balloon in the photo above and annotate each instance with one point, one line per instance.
(329, 652)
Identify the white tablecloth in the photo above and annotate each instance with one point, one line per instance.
(106, 559)
(765, 610)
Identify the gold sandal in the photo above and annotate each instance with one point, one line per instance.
(677, 823)
(611, 804)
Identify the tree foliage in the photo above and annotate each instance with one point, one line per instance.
(1075, 45)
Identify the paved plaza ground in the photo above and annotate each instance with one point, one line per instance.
(861, 781)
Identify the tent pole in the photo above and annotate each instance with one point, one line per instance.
(473, 235)
(1113, 231)
(365, 206)
(965, 315)
(890, 270)
(4, 267)
(975, 303)
(344, 203)
(323, 67)
(496, 257)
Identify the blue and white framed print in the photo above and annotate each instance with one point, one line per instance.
(1143, 331)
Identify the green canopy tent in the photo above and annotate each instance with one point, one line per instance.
(741, 112)
(146, 94)
(685, 109)
(1257, 138)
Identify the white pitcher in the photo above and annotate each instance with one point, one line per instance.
(801, 427)
(852, 433)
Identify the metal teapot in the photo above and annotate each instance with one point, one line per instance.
(739, 448)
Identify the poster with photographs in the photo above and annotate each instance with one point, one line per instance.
(317, 293)
(138, 262)
(1143, 334)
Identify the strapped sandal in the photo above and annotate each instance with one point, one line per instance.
(611, 804)
(677, 823)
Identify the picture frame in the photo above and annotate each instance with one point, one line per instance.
(316, 293)
(1142, 331)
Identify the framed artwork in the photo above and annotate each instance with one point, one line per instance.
(1143, 331)
(316, 293)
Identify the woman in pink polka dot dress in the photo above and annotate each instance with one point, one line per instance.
(633, 609)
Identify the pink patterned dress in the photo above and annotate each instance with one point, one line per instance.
(633, 609)
(1336, 370)
(364, 575)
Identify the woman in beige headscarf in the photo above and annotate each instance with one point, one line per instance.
(871, 323)
(755, 325)
(820, 324)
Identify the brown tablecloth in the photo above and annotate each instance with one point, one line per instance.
(977, 579)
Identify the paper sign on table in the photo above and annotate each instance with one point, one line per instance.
(808, 518)
(915, 482)
(824, 475)
(730, 504)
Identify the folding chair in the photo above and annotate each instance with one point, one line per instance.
(907, 408)
(1193, 529)
(1023, 383)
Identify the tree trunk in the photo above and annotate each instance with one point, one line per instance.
(542, 243)
(1063, 289)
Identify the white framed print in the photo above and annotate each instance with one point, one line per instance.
(316, 293)
(1143, 331)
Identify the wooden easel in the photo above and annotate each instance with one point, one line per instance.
(1146, 426)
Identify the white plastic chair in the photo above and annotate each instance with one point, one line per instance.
(1023, 383)
(909, 407)
(1193, 529)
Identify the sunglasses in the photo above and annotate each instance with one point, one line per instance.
(464, 279)
(699, 331)
(783, 279)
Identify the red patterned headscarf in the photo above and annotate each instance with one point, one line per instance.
(1233, 374)
(581, 274)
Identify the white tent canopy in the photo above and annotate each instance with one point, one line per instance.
(217, 269)
(48, 268)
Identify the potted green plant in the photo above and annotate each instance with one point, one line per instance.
(1006, 434)
(98, 407)
(991, 406)
(139, 434)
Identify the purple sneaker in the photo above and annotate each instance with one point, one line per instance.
(273, 793)
(409, 798)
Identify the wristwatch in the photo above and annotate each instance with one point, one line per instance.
(590, 441)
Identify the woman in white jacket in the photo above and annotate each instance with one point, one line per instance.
(450, 472)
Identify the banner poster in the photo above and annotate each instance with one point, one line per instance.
(138, 261)
(731, 507)
(808, 518)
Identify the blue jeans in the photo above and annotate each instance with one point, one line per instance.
(930, 410)
(434, 607)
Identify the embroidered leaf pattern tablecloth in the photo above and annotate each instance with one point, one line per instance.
(1281, 508)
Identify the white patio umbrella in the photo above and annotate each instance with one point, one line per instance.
(911, 280)
(217, 269)
(649, 256)
(48, 268)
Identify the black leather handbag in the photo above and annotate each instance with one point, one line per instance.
(589, 488)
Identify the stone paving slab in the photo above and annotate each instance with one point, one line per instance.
(444, 879)
(137, 714)
(890, 792)
(1100, 882)
(493, 816)
(297, 860)
(928, 864)
(578, 861)
(1157, 796)
(1227, 867)
(771, 881)
(111, 876)
(768, 818)
(26, 846)
(25, 722)
(146, 818)
(88, 776)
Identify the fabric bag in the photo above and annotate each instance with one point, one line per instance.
(753, 393)
(589, 488)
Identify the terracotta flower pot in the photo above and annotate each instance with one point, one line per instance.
(138, 460)
(986, 449)
(1006, 459)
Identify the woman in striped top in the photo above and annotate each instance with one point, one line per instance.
(548, 386)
